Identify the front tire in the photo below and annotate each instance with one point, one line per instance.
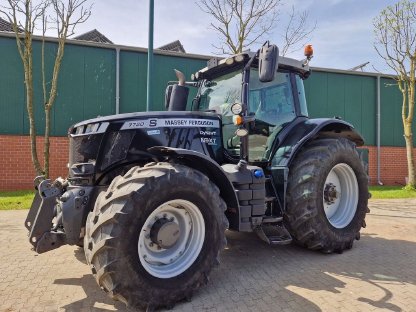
(155, 235)
(327, 195)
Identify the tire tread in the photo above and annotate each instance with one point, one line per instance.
(109, 212)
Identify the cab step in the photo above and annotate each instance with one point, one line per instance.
(272, 219)
(273, 234)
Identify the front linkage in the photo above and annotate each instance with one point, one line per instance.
(57, 214)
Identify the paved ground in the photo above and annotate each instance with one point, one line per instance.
(378, 274)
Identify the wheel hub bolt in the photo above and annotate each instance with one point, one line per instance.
(330, 193)
(165, 233)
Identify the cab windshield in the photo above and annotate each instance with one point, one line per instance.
(271, 102)
(219, 94)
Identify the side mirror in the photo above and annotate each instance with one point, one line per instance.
(268, 62)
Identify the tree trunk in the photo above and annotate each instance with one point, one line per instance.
(407, 124)
(51, 100)
(47, 142)
(408, 136)
(32, 128)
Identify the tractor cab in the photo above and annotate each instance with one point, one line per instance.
(271, 105)
(256, 95)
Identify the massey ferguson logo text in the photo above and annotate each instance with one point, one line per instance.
(171, 123)
(189, 122)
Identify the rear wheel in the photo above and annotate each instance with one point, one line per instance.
(327, 195)
(155, 235)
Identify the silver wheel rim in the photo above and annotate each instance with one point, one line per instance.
(340, 195)
(170, 262)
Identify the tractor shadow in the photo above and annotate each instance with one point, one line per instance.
(257, 276)
(79, 255)
(95, 299)
(251, 266)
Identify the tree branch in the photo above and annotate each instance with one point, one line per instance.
(240, 23)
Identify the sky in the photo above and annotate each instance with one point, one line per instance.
(343, 37)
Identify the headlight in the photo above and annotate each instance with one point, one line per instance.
(236, 108)
(241, 132)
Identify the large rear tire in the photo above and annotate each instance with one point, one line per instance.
(155, 235)
(327, 195)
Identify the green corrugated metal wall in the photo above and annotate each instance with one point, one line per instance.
(391, 114)
(86, 84)
(11, 89)
(350, 97)
(87, 89)
(133, 70)
(354, 99)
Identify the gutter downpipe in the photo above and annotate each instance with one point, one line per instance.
(117, 80)
(378, 133)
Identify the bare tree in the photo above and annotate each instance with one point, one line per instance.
(395, 33)
(296, 32)
(242, 23)
(61, 15)
(31, 15)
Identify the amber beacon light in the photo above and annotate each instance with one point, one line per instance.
(308, 51)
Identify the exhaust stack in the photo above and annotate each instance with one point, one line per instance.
(178, 94)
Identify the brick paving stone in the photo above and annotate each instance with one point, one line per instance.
(376, 275)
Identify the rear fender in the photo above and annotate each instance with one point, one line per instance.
(291, 140)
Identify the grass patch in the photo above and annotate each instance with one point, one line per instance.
(16, 200)
(391, 192)
(23, 199)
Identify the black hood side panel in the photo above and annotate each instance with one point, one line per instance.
(119, 142)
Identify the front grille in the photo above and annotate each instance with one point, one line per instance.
(116, 147)
(84, 149)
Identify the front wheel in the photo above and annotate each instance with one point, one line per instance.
(155, 235)
(327, 195)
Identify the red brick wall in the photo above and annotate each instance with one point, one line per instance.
(393, 164)
(16, 169)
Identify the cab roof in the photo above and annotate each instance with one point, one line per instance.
(216, 66)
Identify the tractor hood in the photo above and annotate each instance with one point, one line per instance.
(105, 143)
(143, 115)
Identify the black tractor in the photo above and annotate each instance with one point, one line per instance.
(150, 195)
